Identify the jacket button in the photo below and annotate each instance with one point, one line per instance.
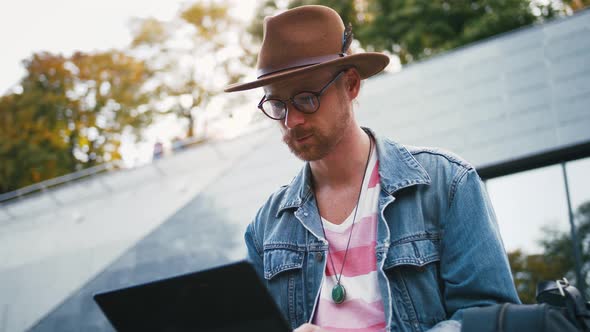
(319, 256)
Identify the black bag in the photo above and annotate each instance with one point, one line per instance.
(561, 308)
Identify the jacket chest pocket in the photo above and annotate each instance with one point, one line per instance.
(283, 273)
(412, 267)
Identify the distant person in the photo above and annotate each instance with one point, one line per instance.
(177, 144)
(407, 236)
(158, 150)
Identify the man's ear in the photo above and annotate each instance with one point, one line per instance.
(352, 83)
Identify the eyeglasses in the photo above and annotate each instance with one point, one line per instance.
(305, 101)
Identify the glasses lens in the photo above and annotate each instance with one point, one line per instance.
(306, 102)
(274, 108)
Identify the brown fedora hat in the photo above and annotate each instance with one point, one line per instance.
(304, 39)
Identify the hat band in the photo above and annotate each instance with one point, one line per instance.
(299, 63)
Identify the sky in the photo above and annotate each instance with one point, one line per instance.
(527, 202)
(65, 26)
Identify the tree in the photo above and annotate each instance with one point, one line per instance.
(576, 5)
(195, 55)
(557, 260)
(529, 270)
(559, 246)
(70, 114)
(417, 29)
(29, 150)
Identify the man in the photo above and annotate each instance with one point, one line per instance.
(407, 237)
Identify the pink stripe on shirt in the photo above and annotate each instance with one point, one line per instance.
(359, 261)
(373, 328)
(374, 179)
(352, 315)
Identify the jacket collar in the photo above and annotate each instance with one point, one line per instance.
(397, 169)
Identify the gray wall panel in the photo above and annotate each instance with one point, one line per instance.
(516, 95)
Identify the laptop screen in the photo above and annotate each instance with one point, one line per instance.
(227, 298)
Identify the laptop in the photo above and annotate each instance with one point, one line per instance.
(226, 298)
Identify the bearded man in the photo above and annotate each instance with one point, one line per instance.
(370, 235)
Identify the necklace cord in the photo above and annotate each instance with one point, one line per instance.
(338, 277)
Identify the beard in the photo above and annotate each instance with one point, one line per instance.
(321, 141)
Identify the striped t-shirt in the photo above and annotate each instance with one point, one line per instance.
(362, 310)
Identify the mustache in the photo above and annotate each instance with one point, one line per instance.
(297, 133)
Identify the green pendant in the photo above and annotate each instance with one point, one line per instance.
(338, 293)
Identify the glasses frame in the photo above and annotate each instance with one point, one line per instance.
(291, 100)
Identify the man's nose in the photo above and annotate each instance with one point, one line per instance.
(294, 117)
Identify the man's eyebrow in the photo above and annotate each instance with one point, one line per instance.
(270, 96)
(306, 86)
(274, 96)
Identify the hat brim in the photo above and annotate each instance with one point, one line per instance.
(367, 64)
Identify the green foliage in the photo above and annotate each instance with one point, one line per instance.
(556, 262)
(194, 56)
(417, 29)
(208, 20)
(70, 115)
(559, 246)
(150, 32)
(529, 270)
(577, 4)
(29, 149)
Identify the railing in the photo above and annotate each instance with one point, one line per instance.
(60, 180)
(44, 185)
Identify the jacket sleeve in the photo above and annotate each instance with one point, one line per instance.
(254, 250)
(474, 266)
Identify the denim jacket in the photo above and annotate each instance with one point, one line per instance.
(438, 245)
